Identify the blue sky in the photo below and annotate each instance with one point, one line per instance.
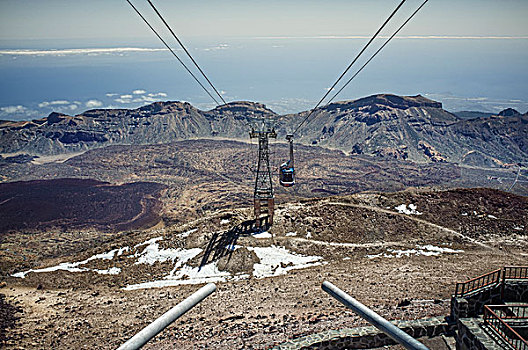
(468, 54)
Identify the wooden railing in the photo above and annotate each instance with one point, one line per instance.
(501, 327)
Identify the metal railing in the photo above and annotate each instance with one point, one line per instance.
(495, 316)
(373, 318)
(150, 331)
(491, 278)
(515, 272)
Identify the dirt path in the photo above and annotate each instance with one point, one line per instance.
(390, 212)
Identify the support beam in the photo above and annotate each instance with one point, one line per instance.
(150, 331)
(373, 318)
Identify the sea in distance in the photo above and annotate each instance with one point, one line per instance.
(288, 74)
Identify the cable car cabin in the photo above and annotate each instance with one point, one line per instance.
(287, 170)
(286, 175)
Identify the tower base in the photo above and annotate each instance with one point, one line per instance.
(262, 207)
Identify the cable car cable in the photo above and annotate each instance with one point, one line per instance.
(185, 49)
(172, 51)
(378, 51)
(350, 65)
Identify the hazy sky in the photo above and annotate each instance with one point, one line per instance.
(468, 54)
(114, 20)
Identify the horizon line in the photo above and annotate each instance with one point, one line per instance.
(449, 37)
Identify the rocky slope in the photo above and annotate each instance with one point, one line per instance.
(408, 128)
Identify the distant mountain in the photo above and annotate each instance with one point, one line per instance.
(402, 127)
(472, 114)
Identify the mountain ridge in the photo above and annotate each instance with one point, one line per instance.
(403, 127)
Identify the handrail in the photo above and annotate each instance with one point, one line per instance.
(504, 330)
(490, 278)
(511, 311)
(515, 272)
(150, 331)
(373, 318)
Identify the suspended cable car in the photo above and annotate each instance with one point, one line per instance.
(287, 170)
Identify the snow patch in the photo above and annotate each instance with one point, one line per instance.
(402, 209)
(122, 250)
(187, 233)
(426, 250)
(224, 221)
(74, 266)
(152, 254)
(148, 242)
(275, 261)
(264, 234)
(110, 271)
(492, 216)
(291, 234)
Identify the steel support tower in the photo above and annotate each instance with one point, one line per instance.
(263, 197)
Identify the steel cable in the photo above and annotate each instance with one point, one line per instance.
(378, 51)
(172, 51)
(185, 49)
(350, 65)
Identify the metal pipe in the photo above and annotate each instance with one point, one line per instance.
(373, 318)
(150, 331)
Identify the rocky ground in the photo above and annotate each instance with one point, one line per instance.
(399, 253)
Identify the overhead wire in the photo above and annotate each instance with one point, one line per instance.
(350, 65)
(185, 49)
(172, 51)
(378, 51)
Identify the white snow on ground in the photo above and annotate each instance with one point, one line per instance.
(518, 228)
(264, 234)
(152, 254)
(186, 275)
(187, 233)
(492, 216)
(224, 221)
(74, 266)
(402, 209)
(150, 241)
(275, 261)
(110, 271)
(426, 250)
(291, 234)
(433, 248)
(123, 250)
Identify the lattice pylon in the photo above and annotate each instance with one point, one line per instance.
(263, 195)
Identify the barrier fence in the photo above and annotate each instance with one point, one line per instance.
(491, 278)
(495, 316)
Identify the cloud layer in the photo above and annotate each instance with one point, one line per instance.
(69, 52)
(129, 99)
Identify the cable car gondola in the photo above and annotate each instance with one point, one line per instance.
(287, 170)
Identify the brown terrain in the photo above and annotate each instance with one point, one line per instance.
(398, 252)
(101, 233)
